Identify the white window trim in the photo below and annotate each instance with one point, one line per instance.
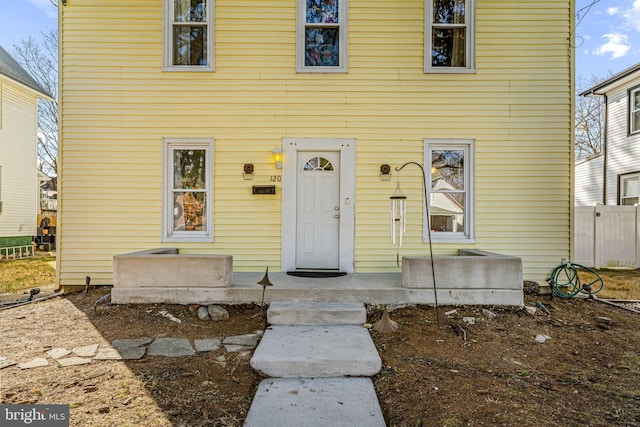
(300, 33)
(468, 145)
(633, 92)
(168, 234)
(624, 178)
(167, 40)
(470, 42)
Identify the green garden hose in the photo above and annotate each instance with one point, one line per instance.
(569, 279)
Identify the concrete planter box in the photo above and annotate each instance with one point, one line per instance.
(472, 277)
(171, 275)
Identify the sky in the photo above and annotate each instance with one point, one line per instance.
(606, 37)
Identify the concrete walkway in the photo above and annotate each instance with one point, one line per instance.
(320, 359)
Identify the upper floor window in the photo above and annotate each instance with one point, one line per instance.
(322, 36)
(450, 169)
(634, 110)
(188, 35)
(188, 190)
(449, 36)
(630, 189)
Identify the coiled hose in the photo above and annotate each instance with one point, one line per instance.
(569, 279)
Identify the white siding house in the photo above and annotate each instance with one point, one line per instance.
(589, 179)
(620, 171)
(19, 189)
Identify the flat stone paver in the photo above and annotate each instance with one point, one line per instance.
(171, 347)
(317, 402)
(5, 363)
(316, 351)
(57, 353)
(35, 363)
(74, 361)
(130, 342)
(86, 350)
(207, 344)
(110, 354)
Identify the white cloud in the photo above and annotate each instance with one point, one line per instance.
(46, 6)
(632, 16)
(612, 11)
(617, 45)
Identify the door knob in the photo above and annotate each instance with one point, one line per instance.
(336, 216)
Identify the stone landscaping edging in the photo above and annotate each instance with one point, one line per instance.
(137, 348)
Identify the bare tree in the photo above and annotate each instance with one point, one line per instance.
(589, 119)
(40, 59)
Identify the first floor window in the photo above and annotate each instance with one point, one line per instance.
(450, 182)
(630, 189)
(188, 181)
(322, 36)
(188, 35)
(449, 36)
(634, 110)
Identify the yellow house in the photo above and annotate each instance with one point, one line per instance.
(262, 130)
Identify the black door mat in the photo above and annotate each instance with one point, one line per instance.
(319, 274)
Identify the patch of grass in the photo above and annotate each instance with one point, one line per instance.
(19, 274)
(620, 284)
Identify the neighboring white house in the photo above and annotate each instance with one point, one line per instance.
(614, 177)
(19, 181)
(589, 179)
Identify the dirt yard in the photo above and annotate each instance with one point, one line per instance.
(449, 373)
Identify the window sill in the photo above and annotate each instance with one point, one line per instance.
(187, 239)
(447, 70)
(190, 69)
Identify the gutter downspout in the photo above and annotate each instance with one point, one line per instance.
(605, 142)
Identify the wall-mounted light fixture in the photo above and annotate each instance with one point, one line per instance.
(385, 172)
(276, 154)
(247, 172)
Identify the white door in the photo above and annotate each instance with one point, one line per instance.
(318, 210)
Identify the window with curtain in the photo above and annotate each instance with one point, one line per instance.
(188, 35)
(450, 178)
(188, 196)
(322, 36)
(449, 36)
(634, 110)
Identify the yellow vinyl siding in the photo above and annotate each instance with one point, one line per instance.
(117, 105)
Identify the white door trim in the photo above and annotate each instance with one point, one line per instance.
(347, 149)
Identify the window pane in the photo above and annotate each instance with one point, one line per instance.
(190, 11)
(322, 47)
(448, 47)
(448, 11)
(631, 187)
(189, 211)
(322, 11)
(635, 105)
(447, 170)
(189, 169)
(635, 121)
(190, 45)
(447, 212)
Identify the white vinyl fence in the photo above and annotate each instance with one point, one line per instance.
(607, 236)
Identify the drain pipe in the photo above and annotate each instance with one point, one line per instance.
(426, 204)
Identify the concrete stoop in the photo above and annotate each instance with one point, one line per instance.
(316, 314)
(314, 402)
(315, 352)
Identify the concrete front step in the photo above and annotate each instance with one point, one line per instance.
(316, 314)
(315, 402)
(316, 351)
